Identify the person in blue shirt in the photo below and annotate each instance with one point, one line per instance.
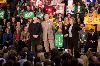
(7, 37)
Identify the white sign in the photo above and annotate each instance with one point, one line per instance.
(70, 2)
(60, 8)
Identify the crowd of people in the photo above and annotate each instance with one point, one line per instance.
(31, 41)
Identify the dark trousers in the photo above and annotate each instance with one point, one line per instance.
(70, 43)
(65, 43)
(34, 44)
(73, 44)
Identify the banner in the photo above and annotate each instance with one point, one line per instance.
(2, 13)
(38, 3)
(28, 15)
(2, 1)
(49, 9)
(69, 10)
(92, 20)
(58, 40)
(60, 8)
(54, 2)
(98, 27)
(70, 7)
(88, 20)
(98, 19)
(70, 2)
(39, 15)
(89, 26)
(91, 0)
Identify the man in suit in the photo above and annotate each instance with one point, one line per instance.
(48, 36)
(35, 30)
(93, 40)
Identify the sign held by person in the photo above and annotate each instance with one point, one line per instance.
(28, 15)
(38, 3)
(2, 1)
(1, 13)
(58, 40)
(60, 8)
(92, 19)
(91, 0)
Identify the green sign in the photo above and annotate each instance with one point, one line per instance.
(20, 12)
(28, 14)
(1, 13)
(40, 15)
(58, 40)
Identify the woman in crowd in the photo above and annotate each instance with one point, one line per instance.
(65, 32)
(16, 37)
(73, 34)
(79, 8)
(69, 17)
(7, 37)
(48, 36)
(60, 17)
(25, 36)
(28, 22)
(23, 22)
(18, 25)
(1, 32)
(4, 22)
(8, 25)
(78, 18)
(13, 24)
(13, 21)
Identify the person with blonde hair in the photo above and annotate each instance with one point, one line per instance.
(73, 36)
(65, 27)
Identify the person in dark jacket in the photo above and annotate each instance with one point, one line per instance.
(93, 40)
(83, 35)
(7, 37)
(35, 30)
(73, 36)
(65, 27)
